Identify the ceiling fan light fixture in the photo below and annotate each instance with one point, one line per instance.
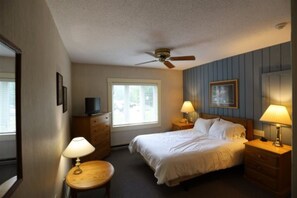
(163, 56)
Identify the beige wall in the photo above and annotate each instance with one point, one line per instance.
(45, 129)
(294, 80)
(91, 80)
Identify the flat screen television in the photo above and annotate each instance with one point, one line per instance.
(92, 105)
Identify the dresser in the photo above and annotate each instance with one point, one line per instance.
(96, 129)
(181, 126)
(269, 166)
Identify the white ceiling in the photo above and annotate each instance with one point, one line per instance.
(119, 32)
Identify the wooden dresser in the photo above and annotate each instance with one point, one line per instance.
(269, 166)
(96, 129)
(181, 126)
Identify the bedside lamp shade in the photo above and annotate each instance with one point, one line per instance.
(277, 115)
(78, 147)
(187, 107)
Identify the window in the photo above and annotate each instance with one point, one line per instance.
(134, 103)
(7, 105)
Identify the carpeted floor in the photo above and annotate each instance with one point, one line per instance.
(134, 179)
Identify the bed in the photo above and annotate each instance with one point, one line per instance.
(215, 143)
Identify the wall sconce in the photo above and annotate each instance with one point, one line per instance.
(279, 116)
(78, 147)
(187, 108)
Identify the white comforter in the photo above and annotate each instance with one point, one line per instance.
(185, 153)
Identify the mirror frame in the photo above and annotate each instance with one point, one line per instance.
(18, 57)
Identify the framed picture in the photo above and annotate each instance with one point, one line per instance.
(223, 94)
(64, 99)
(59, 88)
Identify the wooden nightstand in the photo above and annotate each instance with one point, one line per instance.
(96, 174)
(181, 126)
(269, 166)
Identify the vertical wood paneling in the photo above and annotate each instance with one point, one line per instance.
(255, 91)
(235, 75)
(210, 79)
(242, 98)
(266, 60)
(206, 84)
(257, 59)
(249, 86)
(225, 77)
(275, 60)
(285, 56)
(220, 77)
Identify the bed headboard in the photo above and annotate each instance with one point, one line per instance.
(247, 123)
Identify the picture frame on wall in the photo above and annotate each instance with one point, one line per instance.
(223, 94)
(64, 99)
(59, 79)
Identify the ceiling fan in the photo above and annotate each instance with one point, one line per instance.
(163, 56)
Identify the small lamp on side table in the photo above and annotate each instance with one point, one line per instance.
(187, 108)
(78, 147)
(279, 116)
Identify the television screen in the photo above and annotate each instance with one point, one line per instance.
(92, 105)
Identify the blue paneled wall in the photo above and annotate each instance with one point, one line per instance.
(248, 68)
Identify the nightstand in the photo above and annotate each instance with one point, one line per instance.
(96, 174)
(269, 166)
(181, 126)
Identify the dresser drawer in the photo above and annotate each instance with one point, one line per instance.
(261, 179)
(97, 138)
(99, 128)
(100, 120)
(257, 166)
(262, 156)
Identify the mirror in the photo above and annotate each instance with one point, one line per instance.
(10, 114)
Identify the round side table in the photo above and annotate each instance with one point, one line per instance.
(95, 174)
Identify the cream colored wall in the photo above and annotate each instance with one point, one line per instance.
(91, 80)
(45, 129)
(294, 81)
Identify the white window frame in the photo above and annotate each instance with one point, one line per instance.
(121, 81)
(10, 77)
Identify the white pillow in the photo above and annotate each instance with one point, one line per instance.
(203, 125)
(226, 121)
(226, 130)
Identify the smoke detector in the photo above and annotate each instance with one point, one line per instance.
(280, 26)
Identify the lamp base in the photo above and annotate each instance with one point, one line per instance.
(278, 141)
(78, 170)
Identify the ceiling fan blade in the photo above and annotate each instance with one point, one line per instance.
(151, 54)
(146, 62)
(182, 58)
(169, 64)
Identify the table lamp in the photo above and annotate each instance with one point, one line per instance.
(279, 116)
(78, 147)
(187, 108)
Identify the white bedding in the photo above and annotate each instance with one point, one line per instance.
(184, 153)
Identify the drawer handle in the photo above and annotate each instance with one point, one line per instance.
(106, 118)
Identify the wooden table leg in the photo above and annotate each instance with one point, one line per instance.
(107, 189)
(73, 193)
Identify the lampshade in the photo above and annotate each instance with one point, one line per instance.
(187, 107)
(78, 147)
(276, 114)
